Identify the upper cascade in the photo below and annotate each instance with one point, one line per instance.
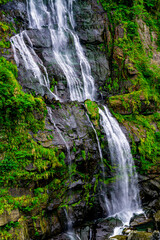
(57, 17)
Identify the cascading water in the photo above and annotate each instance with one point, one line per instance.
(57, 17)
(33, 64)
(124, 195)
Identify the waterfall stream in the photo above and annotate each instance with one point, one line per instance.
(124, 198)
(57, 17)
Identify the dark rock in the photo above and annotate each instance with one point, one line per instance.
(54, 205)
(19, 192)
(139, 222)
(157, 219)
(119, 237)
(156, 235)
(119, 32)
(7, 216)
(106, 227)
(149, 190)
(76, 185)
(31, 168)
(55, 225)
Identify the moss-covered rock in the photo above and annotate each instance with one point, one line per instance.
(7, 217)
(135, 235)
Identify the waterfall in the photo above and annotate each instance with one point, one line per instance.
(36, 71)
(124, 195)
(57, 17)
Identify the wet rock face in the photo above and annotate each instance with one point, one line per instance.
(16, 12)
(6, 217)
(149, 191)
(140, 236)
(90, 27)
(72, 132)
(15, 16)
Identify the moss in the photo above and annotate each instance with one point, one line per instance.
(129, 60)
(135, 77)
(83, 154)
(23, 161)
(143, 128)
(53, 84)
(4, 1)
(6, 31)
(93, 111)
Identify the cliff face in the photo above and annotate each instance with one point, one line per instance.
(51, 170)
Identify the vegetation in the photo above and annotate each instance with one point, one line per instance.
(4, 1)
(135, 77)
(133, 87)
(23, 161)
(93, 111)
(6, 31)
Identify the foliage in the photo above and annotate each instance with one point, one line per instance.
(6, 31)
(16, 105)
(24, 162)
(53, 84)
(93, 111)
(135, 106)
(4, 1)
(146, 152)
(132, 55)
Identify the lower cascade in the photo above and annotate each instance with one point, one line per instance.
(57, 17)
(123, 198)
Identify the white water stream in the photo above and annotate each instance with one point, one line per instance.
(57, 16)
(124, 198)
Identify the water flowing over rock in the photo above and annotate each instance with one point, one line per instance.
(124, 195)
(51, 48)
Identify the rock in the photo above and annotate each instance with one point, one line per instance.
(130, 67)
(91, 29)
(126, 231)
(119, 237)
(118, 56)
(135, 235)
(106, 227)
(156, 235)
(149, 189)
(119, 32)
(139, 220)
(54, 205)
(7, 217)
(149, 40)
(55, 225)
(77, 184)
(31, 168)
(18, 192)
(157, 219)
(20, 233)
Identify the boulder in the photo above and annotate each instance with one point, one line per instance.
(7, 217)
(156, 235)
(119, 237)
(157, 219)
(135, 235)
(139, 221)
(106, 227)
